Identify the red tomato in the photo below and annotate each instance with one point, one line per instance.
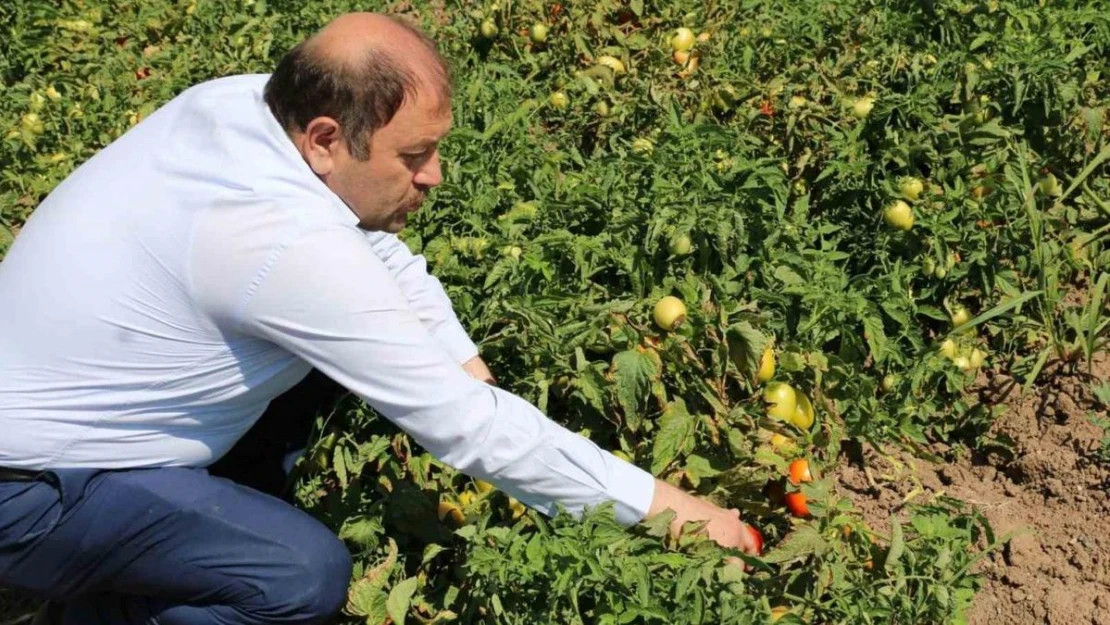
(799, 472)
(796, 504)
(756, 538)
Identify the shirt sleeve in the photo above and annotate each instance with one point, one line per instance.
(425, 295)
(330, 299)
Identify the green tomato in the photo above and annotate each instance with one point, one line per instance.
(683, 40)
(681, 245)
(861, 108)
(911, 188)
(488, 29)
(538, 33)
(782, 401)
(959, 316)
(899, 215)
(558, 100)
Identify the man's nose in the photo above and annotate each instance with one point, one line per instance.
(431, 174)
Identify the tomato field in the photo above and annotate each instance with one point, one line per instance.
(867, 217)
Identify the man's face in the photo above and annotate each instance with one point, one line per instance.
(403, 166)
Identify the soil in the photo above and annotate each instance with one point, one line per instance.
(1051, 489)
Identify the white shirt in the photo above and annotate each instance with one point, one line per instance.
(196, 268)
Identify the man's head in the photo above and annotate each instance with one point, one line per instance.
(366, 101)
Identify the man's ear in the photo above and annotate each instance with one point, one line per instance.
(320, 143)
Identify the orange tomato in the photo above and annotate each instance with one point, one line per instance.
(799, 472)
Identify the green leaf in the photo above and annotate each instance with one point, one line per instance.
(676, 427)
(339, 463)
(745, 346)
(634, 371)
(897, 544)
(801, 543)
(398, 603)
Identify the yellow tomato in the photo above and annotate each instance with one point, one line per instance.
(483, 486)
(766, 365)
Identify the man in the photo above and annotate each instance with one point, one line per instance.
(202, 265)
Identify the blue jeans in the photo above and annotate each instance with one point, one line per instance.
(168, 546)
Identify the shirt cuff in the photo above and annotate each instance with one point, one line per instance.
(632, 490)
(453, 337)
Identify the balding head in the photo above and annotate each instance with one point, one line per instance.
(358, 70)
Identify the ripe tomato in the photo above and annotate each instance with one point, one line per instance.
(796, 504)
(766, 365)
(782, 400)
(669, 313)
(803, 412)
(799, 472)
(466, 498)
(683, 40)
(755, 537)
(899, 215)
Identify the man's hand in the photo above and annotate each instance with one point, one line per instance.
(725, 526)
(478, 370)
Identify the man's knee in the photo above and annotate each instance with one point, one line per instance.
(315, 588)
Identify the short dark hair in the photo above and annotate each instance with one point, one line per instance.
(362, 97)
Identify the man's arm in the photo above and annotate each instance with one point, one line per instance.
(329, 299)
(426, 296)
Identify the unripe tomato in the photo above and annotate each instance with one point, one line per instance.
(948, 348)
(622, 455)
(803, 412)
(601, 107)
(911, 188)
(466, 498)
(796, 504)
(941, 272)
(799, 472)
(756, 538)
(538, 33)
(899, 215)
(53, 94)
(681, 245)
(612, 63)
(1049, 185)
(704, 36)
(669, 313)
(976, 358)
(797, 102)
(861, 108)
(889, 381)
(643, 145)
(960, 316)
(683, 39)
(778, 441)
(766, 365)
(928, 267)
(962, 362)
(782, 400)
(488, 29)
(483, 486)
(558, 100)
(778, 612)
(517, 508)
(449, 509)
